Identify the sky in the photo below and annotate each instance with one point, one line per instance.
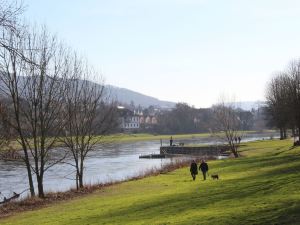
(189, 51)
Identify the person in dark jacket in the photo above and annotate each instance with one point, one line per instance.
(194, 169)
(204, 168)
(171, 141)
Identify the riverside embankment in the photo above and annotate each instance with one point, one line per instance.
(115, 161)
(262, 187)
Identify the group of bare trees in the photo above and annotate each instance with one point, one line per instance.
(47, 98)
(283, 99)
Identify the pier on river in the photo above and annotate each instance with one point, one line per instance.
(209, 151)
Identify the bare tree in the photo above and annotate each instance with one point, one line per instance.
(9, 18)
(9, 13)
(36, 87)
(278, 99)
(90, 115)
(227, 125)
(42, 110)
(11, 69)
(283, 99)
(292, 90)
(10, 22)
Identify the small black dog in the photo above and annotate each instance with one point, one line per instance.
(215, 176)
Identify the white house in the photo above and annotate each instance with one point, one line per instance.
(128, 119)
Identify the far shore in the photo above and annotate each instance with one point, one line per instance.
(131, 137)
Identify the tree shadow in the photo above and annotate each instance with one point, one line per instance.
(249, 188)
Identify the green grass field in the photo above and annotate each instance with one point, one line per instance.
(260, 188)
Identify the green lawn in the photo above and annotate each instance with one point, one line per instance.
(260, 188)
(145, 137)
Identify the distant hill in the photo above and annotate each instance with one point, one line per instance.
(126, 96)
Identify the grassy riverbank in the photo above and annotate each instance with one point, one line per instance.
(260, 188)
(165, 138)
(146, 137)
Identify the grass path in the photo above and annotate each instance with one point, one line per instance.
(261, 188)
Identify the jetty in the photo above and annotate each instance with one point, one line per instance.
(211, 150)
(181, 150)
(153, 156)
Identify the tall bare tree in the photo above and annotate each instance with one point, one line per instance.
(227, 125)
(12, 88)
(45, 83)
(35, 82)
(90, 115)
(278, 99)
(9, 21)
(292, 90)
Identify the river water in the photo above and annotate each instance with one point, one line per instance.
(114, 162)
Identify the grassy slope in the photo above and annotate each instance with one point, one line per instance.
(262, 188)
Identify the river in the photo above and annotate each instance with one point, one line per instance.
(114, 162)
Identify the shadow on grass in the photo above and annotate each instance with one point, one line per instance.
(287, 150)
(256, 162)
(229, 200)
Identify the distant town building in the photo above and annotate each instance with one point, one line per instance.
(128, 119)
(131, 120)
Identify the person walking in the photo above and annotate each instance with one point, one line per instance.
(204, 168)
(171, 141)
(194, 169)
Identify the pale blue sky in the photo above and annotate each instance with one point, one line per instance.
(179, 50)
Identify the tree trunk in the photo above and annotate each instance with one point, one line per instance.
(28, 168)
(77, 180)
(81, 174)
(30, 180)
(233, 149)
(236, 155)
(80, 179)
(281, 133)
(284, 133)
(40, 186)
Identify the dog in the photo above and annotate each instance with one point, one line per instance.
(215, 176)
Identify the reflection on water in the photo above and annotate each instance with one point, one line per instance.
(113, 162)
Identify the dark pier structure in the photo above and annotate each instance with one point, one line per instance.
(213, 150)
